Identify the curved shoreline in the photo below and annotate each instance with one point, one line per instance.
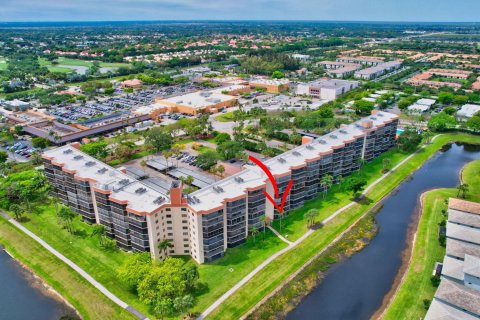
(408, 252)
(38, 283)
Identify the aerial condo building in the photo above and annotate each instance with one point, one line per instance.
(205, 223)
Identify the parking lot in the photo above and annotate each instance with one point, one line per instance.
(19, 150)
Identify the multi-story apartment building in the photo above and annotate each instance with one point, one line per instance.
(220, 216)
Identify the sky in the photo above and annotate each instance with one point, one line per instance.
(347, 10)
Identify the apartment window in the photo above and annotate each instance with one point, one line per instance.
(184, 215)
(184, 221)
(186, 245)
(158, 234)
(170, 234)
(169, 222)
(184, 209)
(185, 233)
(169, 215)
(186, 251)
(157, 227)
(169, 228)
(185, 228)
(171, 251)
(185, 239)
(156, 221)
(168, 209)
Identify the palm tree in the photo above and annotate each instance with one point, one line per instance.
(17, 210)
(462, 190)
(386, 164)
(254, 232)
(143, 164)
(326, 182)
(266, 222)
(310, 216)
(67, 216)
(281, 214)
(361, 162)
(164, 245)
(99, 231)
(427, 136)
(166, 155)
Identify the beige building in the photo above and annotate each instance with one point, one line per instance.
(197, 102)
(271, 85)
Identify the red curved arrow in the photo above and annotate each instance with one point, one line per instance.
(267, 172)
(274, 184)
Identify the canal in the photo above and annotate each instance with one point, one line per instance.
(356, 287)
(23, 296)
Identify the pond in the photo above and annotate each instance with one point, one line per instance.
(23, 296)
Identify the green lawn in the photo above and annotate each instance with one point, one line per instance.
(222, 274)
(62, 61)
(408, 302)
(281, 268)
(84, 250)
(3, 64)
(228, 116)
(89, 301)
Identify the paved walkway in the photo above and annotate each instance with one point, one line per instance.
(280, 236)
(75, 267)
(299, 240)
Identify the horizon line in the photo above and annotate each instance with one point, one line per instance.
(240, 20)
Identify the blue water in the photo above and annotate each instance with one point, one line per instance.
(21, 297)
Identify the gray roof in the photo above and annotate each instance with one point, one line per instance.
(442, 311)
(472, 266)
(452, 268)
(459, 296)
(457, 248)
(465, 218)
(459, 232)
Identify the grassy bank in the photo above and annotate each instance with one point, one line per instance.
(88, 301)
(416, 287)
(84, 250)
(281, 268)
(291, 294)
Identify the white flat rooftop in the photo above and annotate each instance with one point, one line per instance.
(198, 100)
(468, 110)
(140, 197)
(427, 102)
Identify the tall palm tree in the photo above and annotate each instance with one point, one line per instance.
(310, 216)
(254, 232)
(143, 164)
(67, 216)
(17, 210)
(99, 231)
(326, 182)
(386, 164)
(164, 245)
(266, 222)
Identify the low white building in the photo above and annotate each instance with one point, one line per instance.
(418, 108)
(468, 111)
(326, 89)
